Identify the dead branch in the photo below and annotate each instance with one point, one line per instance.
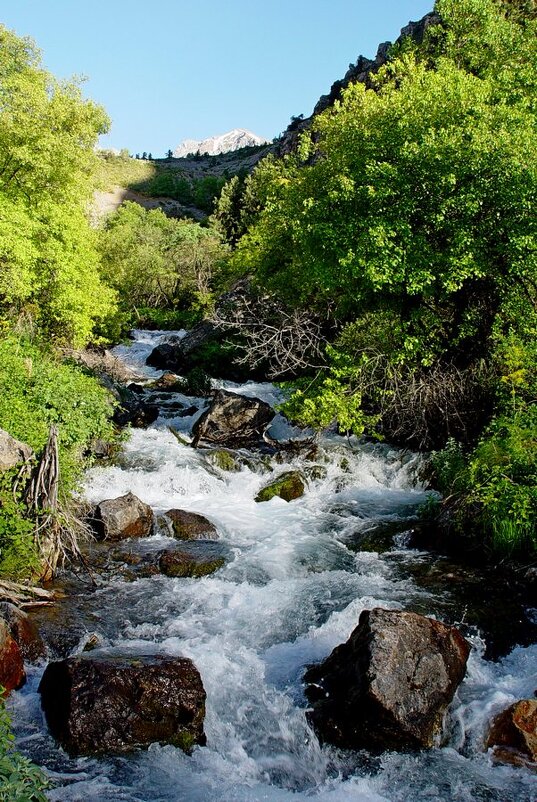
(288, 341)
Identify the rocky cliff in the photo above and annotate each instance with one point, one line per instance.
(359, 72)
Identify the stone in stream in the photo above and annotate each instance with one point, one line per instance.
(389, 685)
(188, 525)
(12, 674)
(12, 452)
(513, 735)
(178, 354)
(123, 517)
(24, 631)
(288, 486)
(181, 564)
(232, 420)
(102, 703)
(134, 410)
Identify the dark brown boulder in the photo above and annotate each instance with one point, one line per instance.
(390, 684)
(513, 734)
(232, 420)
(12, 674)
(178, 354)
(181, 564)
(123, 517)
(24, 631)
(189, 525)
(97, 703)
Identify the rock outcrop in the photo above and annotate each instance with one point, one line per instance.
(178, 354)
(12, 674)
(232, 420)
(123, 517)
(12, 452)
(390, 684)
(100, 703)
(361, 72)
(288, 486)
(513, 735)
(186, 525)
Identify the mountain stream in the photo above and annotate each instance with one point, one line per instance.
(297, 576)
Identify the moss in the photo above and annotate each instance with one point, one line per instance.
(288, 486)
(185, 741)
(224, 460)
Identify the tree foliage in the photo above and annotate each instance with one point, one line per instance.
(49, 264)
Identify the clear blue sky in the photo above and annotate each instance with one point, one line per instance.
(170, 70)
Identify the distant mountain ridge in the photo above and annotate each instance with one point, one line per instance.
(223, 143)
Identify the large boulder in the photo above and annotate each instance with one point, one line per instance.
(288, 486)
(186, 525)
(24, 631)
(232, 420)
(12, 674)
(98, 703)
(390, 684)
(12, 452)
(123, 517)
(513, 734)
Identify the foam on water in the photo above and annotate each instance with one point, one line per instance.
(290, 592)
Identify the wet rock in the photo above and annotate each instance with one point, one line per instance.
(12, 674)
(180, 355)
(168, 381)
(232, 420)
(12, 452)
(134, 410)
(181, 564)
(513, 734)
(189, 525)
(390, 684)
(223, 459)
(24, 631)
(123, 517)
(101, 449)
(101, 703)
(288, 486)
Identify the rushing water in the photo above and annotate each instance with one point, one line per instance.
(291, 590)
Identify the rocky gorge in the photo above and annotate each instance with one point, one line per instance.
(257, 616)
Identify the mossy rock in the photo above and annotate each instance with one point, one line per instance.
(223, 459)
(288, 486)
(180, 564)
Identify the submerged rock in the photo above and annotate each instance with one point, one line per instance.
(123, 517)
(189, 525)
(224, 459)
(12, 452)
(390, 684)
(99, 703)
(513, 735)
(288, 486)
(181, 564)
(12, 674)
(24, 631)
(232, 420)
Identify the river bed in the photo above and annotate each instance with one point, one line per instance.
(293, 587)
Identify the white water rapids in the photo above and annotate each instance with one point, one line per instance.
(290, 591)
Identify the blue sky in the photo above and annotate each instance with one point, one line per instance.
(173, 70)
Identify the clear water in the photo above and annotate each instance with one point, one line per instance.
(290, 592)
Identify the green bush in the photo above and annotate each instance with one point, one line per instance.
(37, 390)
(20, 780)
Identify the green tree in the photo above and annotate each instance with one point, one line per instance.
(49, 264)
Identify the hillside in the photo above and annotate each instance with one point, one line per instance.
(181, 187)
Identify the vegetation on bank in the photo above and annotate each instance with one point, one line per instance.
(20, 780)
(406, 225)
